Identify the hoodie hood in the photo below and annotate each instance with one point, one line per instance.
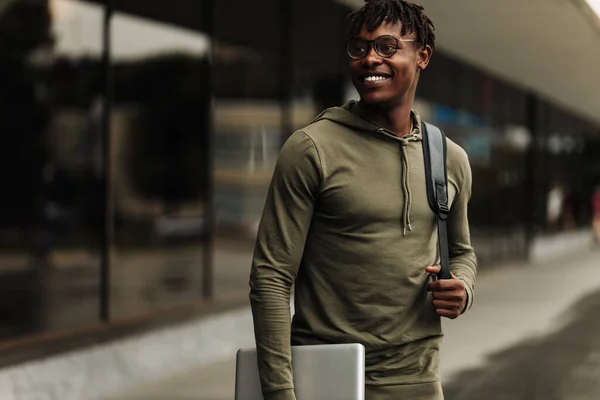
(351, 116)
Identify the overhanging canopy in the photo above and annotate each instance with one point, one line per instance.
(551, 47)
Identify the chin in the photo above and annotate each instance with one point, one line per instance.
(375, 99)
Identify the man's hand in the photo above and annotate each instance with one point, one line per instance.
(449, 295)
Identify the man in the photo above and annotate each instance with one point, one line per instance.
(348, 222)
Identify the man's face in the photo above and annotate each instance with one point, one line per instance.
(386, 81)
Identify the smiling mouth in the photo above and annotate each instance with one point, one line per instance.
(375, 78)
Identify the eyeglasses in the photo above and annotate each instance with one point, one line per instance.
(386, 46)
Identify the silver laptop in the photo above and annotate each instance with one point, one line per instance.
(321, 372)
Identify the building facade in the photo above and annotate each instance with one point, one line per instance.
(140, 138)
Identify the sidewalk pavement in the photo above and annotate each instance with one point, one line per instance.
(515, 303)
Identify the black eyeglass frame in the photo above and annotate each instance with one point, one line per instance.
(372, 44)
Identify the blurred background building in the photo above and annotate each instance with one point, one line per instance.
(139, 138)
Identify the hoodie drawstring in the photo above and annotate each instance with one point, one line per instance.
(406, 190)
(407, 208)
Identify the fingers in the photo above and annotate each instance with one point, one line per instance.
(446, 305)
(448, 308)
(446, 285)
(449, 295)
(435, 269)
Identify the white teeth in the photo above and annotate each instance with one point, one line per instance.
(375, 78)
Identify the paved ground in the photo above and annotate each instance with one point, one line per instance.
(562, 366)
(534, 333)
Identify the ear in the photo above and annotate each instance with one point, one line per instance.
(424, 56)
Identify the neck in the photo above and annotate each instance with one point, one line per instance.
(396, 118)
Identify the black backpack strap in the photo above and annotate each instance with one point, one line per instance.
(434, 152)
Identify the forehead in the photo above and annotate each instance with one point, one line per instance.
(386, 28)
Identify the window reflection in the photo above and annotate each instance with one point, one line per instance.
(50, 227)
(159, 160)
(248, 118)
(259, 76)
(247, 130)
(268, 83)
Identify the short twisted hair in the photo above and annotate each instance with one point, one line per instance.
(411, 16)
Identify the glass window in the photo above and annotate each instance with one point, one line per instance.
(320, 73)
(51, 223)
(159, 135)
(566, 148)
(248, 116)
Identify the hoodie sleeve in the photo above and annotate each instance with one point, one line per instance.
(463, 262)
(280, 242)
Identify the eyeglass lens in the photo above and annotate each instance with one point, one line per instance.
(385, 46)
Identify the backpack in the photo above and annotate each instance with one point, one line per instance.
(436, 175)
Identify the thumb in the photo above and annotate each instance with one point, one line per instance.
(434, 269)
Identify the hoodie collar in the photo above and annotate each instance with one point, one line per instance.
(415, 132)
(352, 116)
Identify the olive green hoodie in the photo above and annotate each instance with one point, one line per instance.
(347, 220)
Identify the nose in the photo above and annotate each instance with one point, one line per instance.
(372, 58)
